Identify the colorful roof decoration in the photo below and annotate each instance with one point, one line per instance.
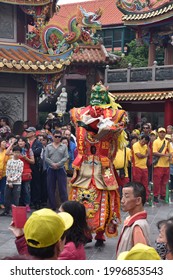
(152, 95)
(51, 45)
(144, 11)
(111, 15)
(28, 2)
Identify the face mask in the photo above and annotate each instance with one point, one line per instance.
(161, 248)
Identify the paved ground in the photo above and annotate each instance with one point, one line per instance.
(155, 213)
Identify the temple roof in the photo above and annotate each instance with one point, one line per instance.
(111, 14)
(145, 12)
(143, 95)
(22, 59)
(93, 54)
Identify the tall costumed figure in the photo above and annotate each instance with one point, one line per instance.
(99, 133)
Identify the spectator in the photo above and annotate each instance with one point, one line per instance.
(136, 228)
(76, 235)
(153, 136)
(73, 137)
(63, 129)
(14, 171)
(68, 165)
(26, 124)
(5, 129)
(140, 154)
(27, 156)
(169, 237)
(4, 156)
(67, 134)
(169, 129)
(35, 184)
(164, 241)
(135, 132)
(48, 128)
(56, 154)
(140, 252)
(121, 164)
(162, 152)
(133, 139)
(44, 234)
(44, 196)
(145, 129)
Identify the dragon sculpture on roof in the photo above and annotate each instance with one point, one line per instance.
(51, 38)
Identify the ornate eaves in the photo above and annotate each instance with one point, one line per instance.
(143, 96)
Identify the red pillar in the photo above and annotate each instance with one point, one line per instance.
(168, 55)
(152, 54)
(168, 118)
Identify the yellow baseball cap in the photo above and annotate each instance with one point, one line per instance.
(153, 132)
(140, 252)
(168, 136)
(162, 129)
(136, 131)
(45, 227)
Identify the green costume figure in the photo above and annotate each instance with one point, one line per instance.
(99, 132)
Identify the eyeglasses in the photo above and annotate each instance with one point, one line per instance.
(57, 136)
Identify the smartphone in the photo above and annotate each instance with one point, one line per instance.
(23, 152)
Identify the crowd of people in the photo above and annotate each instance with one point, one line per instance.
(36, 167)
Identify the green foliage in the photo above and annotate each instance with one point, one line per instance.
(136, 55)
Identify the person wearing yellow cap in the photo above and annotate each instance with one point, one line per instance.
(140, 252)
(162, 151)
(44, 234)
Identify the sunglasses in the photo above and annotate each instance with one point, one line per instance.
(57, 136)
(145, 127)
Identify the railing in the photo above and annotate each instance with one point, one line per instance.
(152, 77)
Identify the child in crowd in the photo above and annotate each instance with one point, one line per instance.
(76, 235)
(14, 171)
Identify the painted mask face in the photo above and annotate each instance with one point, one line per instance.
(99, 95)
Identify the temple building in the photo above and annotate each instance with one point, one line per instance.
(36, 53)
(147, 92)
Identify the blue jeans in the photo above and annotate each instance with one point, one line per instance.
(2, 189)
(25, 194)
(59, 176)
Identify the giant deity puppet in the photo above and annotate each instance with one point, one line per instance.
(99, 133)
